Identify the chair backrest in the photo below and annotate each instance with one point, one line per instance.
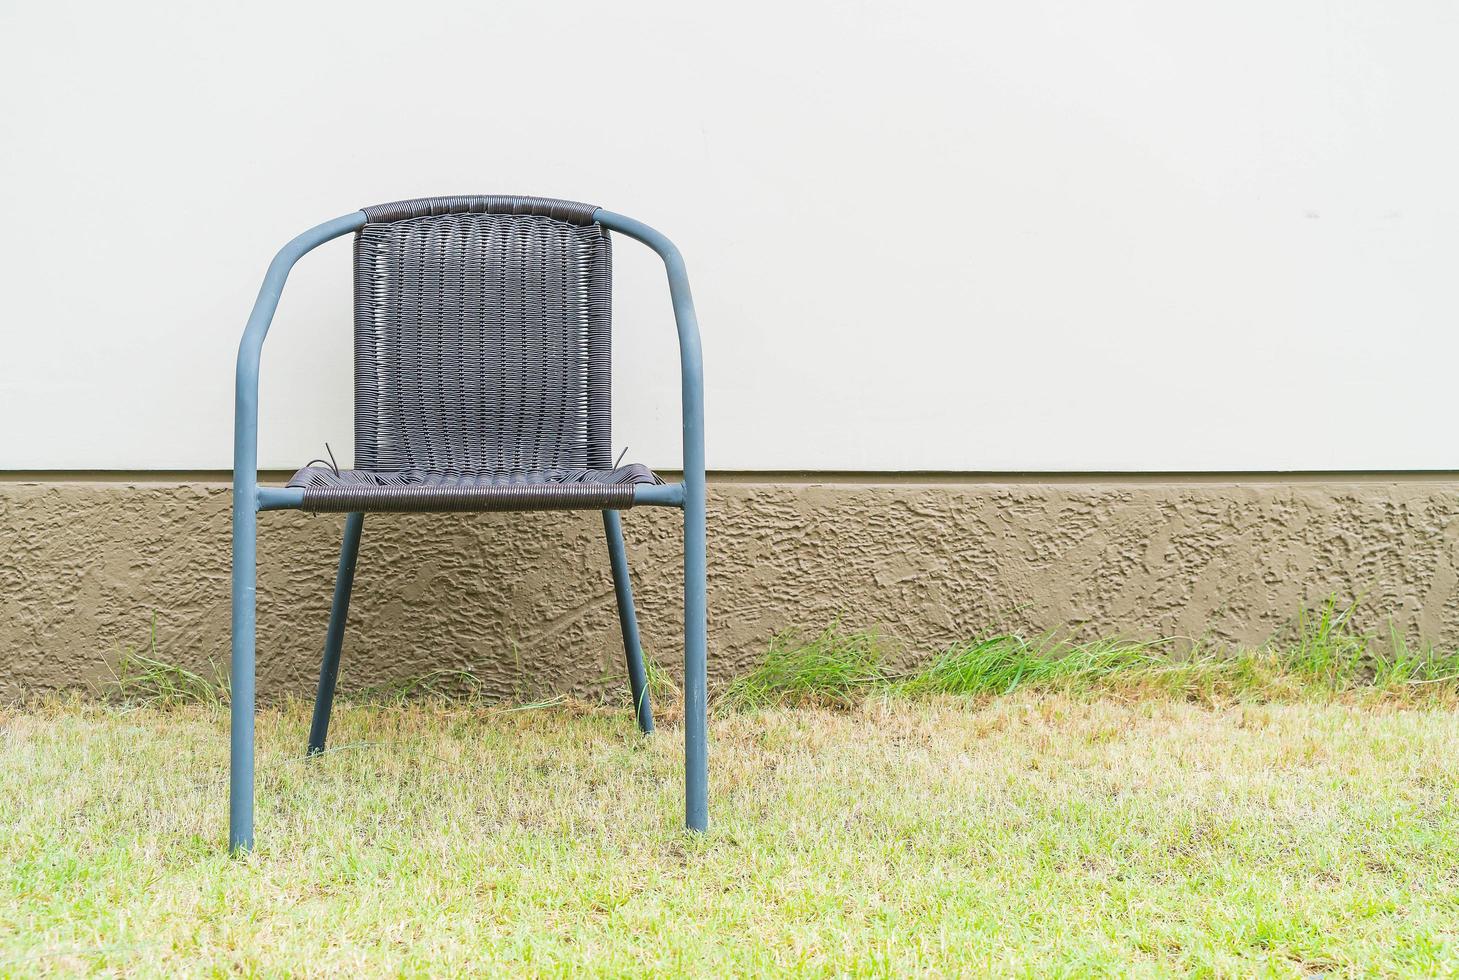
(482, 336)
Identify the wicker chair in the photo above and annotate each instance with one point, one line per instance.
(482, 383)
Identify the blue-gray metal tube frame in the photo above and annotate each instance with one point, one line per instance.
(249, 499)
(691, 371)
(245, 520)
(339, 613)
(628, 621)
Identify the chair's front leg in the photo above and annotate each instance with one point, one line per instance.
(245, 573)
(696, 720)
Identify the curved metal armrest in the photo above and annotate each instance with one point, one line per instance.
(691, 361)
(245, 404)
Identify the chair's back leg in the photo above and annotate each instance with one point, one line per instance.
(628, 620)
(339, 611)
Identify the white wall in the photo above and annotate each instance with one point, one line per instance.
(951, 236)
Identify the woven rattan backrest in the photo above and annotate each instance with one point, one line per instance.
(482, 336)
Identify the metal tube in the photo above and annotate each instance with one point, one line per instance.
(691, 370)
(245, 522)
(644, 495)
(650, 495)
(280, 498)
(628, 621)
(339, 610)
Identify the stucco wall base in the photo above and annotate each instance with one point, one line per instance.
(525, 601)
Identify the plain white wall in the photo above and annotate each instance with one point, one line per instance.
(941, 236)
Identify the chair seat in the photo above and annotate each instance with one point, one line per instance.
(404, 491)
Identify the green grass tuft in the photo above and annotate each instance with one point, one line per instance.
(1002, 664)
(140, 677)
(832, 668)
(446, 683)
(1323, 654)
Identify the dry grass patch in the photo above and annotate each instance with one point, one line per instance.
(1037, 833)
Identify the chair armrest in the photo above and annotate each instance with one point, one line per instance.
(691, 361)
(250, 350)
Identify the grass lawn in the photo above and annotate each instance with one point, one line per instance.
(1040, 832)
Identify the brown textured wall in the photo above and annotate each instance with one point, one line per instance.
(526, 602)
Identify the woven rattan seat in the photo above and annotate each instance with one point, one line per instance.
(417, 490)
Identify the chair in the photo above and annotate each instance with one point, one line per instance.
(482, 383)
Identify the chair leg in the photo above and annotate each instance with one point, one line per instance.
(339, 611)
(628, 621)
(240, 767)
(696, 721)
